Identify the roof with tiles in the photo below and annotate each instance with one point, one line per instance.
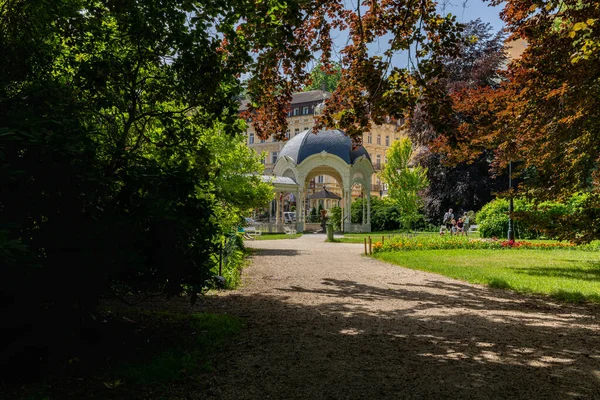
(281, 180)
(298, 98)
(335, 142)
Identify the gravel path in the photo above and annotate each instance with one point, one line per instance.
(324, 322)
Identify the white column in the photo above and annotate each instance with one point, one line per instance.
(369, 206)
(300, 210)
(300, 205)
(364, 206)
(347, 193)
(278, 210)
(281, 202)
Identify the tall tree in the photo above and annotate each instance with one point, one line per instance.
(324, 78)
(114, 119)
(405, 182)
(546, 115)
(284, 36)
(467, 185)
(121, 153)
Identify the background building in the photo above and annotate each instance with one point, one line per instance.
(300, 118)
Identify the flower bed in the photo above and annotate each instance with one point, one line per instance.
(401, 243)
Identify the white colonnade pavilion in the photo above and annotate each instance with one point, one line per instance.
(327, 152)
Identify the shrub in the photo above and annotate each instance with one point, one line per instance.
(385, 215)
(531, 220)
(336, 218)
(233, 252)
(313, 215)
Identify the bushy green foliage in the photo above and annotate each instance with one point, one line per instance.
(122, 159)
(321, 79)
(405, 182)
(233, 258)
(531, 220)
(385, 214)
(336, 217)
(314, 217)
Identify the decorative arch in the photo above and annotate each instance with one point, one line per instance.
(289, 173)
(346, 172)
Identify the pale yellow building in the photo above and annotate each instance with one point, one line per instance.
(300, 118)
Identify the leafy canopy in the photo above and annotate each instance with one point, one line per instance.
(545, 114)
(463, 185)
(323, 78)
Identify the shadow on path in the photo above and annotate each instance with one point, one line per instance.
(276, 252)
(424, 341)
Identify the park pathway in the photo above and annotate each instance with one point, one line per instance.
(325, 322)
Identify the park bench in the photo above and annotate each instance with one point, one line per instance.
(289, 229)
(252, 232)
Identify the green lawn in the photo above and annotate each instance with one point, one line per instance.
(568, 275)
(277, 236)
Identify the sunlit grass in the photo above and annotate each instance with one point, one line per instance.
(568, 275)
(377, 236)
(277, 236)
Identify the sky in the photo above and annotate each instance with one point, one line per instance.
(477, 9)
(472, 10)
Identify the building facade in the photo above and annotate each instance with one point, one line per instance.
(302, 117)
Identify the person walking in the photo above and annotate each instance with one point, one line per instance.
(465, 219)
(447, 220)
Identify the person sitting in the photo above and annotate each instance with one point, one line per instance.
(453, 229)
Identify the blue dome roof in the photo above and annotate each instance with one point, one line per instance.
(306, 143)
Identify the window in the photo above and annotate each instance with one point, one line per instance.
(262, 140)
(378, 163)
(296, 111)
(387, 140)
(273, 139)
(369, 139)
(320, 179)
(251, 138)
(296, 131)
(273, 157)
(305, 110)
(397, 138)
(287, 134)
(289, 113)
(378, 139)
